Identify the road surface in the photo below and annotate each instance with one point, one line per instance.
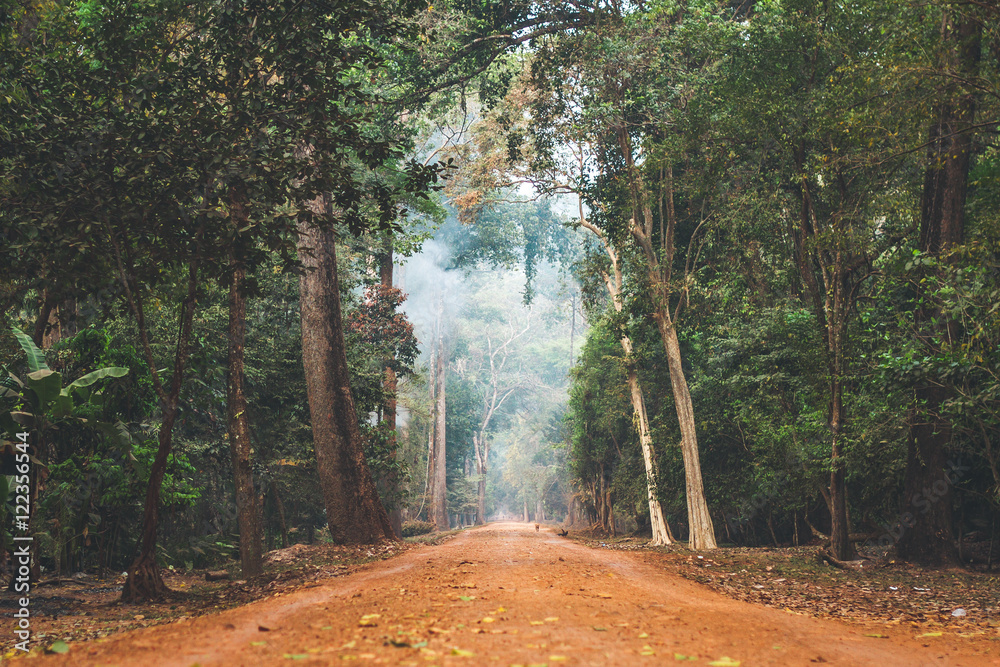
(506, 595)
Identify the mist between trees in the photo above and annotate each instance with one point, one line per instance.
(722, 273)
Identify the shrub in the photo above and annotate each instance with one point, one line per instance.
(414, 528)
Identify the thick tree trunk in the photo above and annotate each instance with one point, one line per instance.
(353, 509)
(440, 498)
(248, 506)
(927, 508)
(389, 409)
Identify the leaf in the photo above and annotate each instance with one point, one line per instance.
(725, 661)
(46, 384)
(681, 656)
(931, 634)
(93, 376)
(58, 646)
(419, 644)
(466, 598)
(462, 653)
(36, 358)
(599, 628)
(876, 635)
(297, 656)
(647, 650)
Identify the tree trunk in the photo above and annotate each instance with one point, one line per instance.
(353, 509)
(841, 546)
(928, 538)
(248, 506)
(440, 498)
(389, 409)
(702, 532)
(431, 426)
(144, 581)
(480, 450)
(42, 323)
(659, 265)
(613, 282)
(661, 532)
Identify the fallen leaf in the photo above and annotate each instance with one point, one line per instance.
(647, 650)
(488, 620)
(58, 646)
(258, 643)
(462, 653)
(537, 622)
(876, 635)
(552, 619)
(599, 628)
(931, 634)
(643, 635)
(725, 661)
(296, 656)
(466, 598)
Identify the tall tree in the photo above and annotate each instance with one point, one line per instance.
(930, 538)
(354, 511)
(439, 498)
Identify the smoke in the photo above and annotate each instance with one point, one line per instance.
(436, 294)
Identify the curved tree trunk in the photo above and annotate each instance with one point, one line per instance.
(657, 521)
(353, 509)
(613, 281)
(144, 581)
(659, 259)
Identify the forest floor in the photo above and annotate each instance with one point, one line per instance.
(506, 595)
(954, 600)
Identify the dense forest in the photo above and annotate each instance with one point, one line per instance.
(724, 272)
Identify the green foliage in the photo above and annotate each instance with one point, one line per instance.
(414, 528)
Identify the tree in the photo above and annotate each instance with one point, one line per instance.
(930, 539)
(354, 511)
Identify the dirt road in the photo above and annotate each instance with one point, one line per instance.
(506, 595)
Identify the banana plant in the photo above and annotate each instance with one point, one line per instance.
(37, 401)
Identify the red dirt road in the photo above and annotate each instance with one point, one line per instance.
(506, 595)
